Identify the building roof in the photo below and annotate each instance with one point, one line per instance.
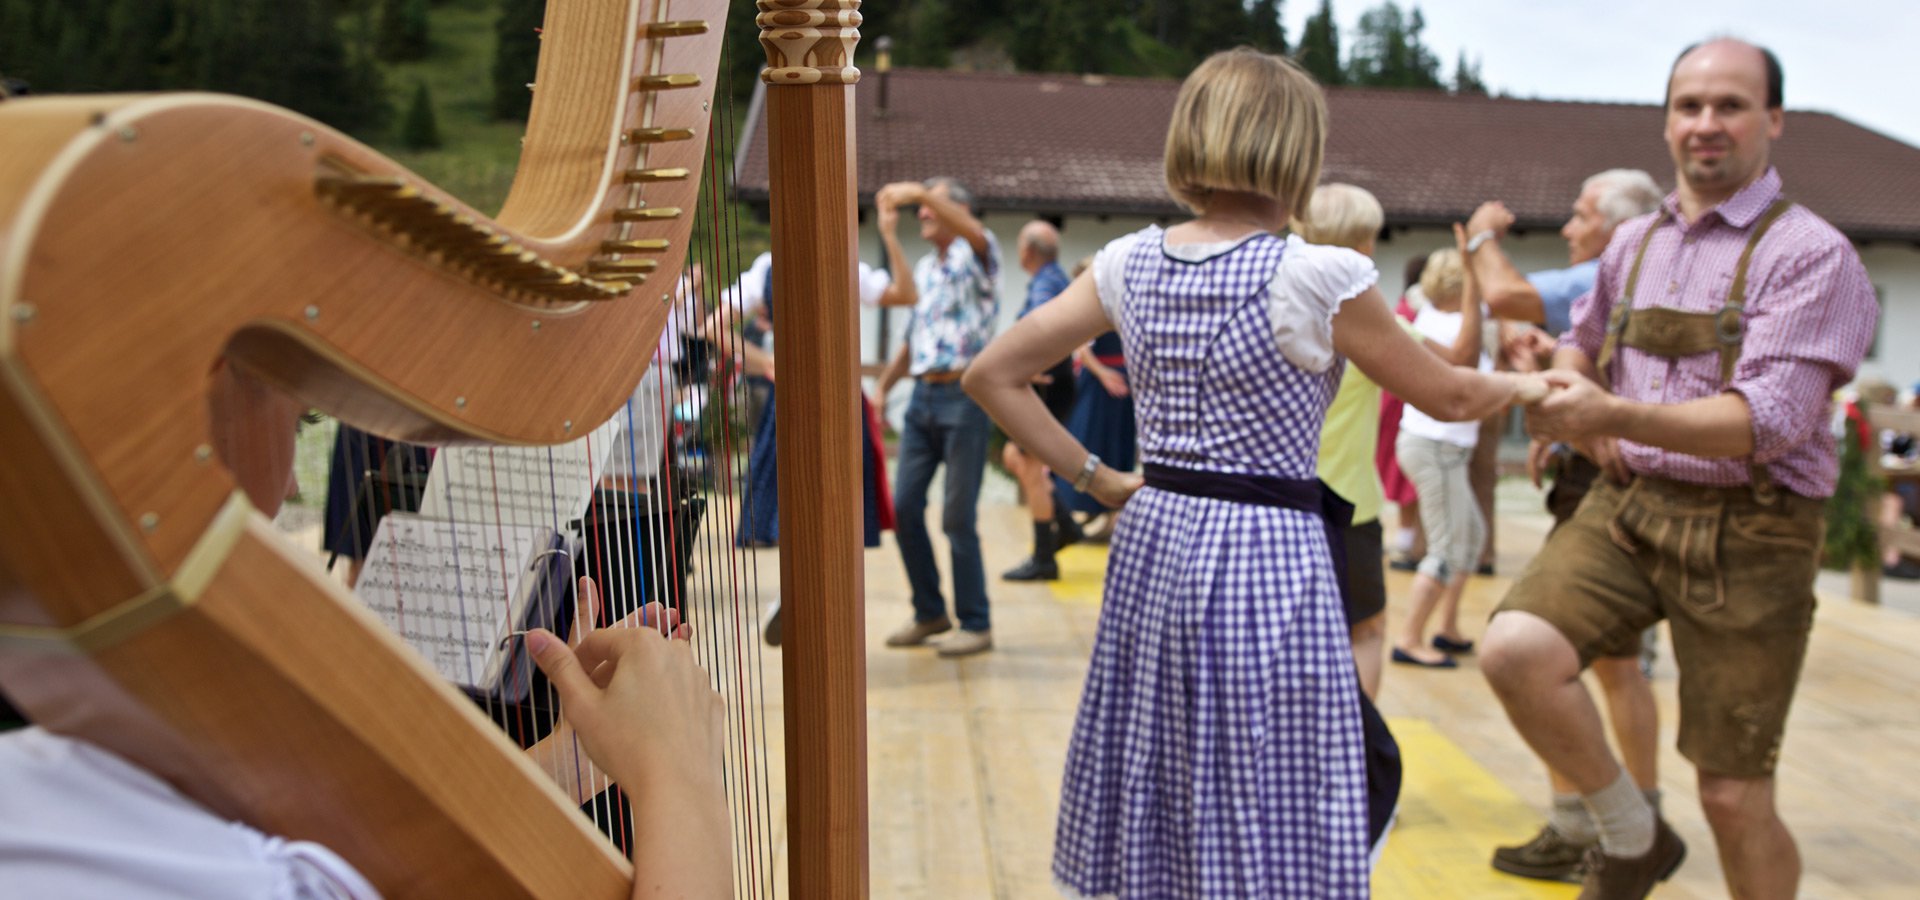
(1092, 144)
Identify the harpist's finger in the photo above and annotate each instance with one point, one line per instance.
(610, 645)
(563, 668)
(587, 613)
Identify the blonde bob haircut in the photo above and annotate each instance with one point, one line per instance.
(1341, 215)
(1246, 121)
(1445, 277)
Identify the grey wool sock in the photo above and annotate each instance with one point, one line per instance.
(1570, 818)
(1623, 818)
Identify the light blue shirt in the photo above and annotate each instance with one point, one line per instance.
(959, 297)
(1559, 288)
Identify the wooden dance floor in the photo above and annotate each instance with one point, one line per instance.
(965, 757)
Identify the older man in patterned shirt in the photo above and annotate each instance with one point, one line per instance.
(954, 295)
(1719, 327)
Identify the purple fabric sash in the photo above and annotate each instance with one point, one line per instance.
(1305, 495)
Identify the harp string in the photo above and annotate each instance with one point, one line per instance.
(735, 260)
(752, 828)
(638, 530)
(748, 827)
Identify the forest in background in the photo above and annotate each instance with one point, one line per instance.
(441, 85)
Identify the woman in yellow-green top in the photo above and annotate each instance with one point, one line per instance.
(1347, 216)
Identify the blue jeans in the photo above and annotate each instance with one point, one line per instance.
(943, 425)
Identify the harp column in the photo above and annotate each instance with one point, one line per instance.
(809, 103)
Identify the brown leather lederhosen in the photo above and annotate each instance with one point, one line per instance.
(1671, 333)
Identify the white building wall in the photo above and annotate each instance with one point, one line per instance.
(1895, 270)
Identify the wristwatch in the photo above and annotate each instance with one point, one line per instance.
(1085, 479)
(1473, 243)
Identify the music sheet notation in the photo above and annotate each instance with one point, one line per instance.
(527, 486)
(452, 590)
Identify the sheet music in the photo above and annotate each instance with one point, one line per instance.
(452, 590)
(544, 486)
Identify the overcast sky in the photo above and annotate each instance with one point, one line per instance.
(1858, 59)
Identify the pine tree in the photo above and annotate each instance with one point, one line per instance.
(420, 131)
(517, 56)
(404, 30)
(927, 41)
(1212, 26)
(1266, 30)
(1319, 49)
(1466, 78)
(1387, 52)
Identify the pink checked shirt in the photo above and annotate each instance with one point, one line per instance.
(1809, 320)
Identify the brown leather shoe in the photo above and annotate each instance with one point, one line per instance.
(914, 634)
(1613, 878)
(1550, 856)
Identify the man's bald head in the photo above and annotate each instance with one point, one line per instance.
(1038, 244)
(1770, 65)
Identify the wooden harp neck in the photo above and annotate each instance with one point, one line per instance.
(143, 239)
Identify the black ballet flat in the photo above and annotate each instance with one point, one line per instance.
(1407, 659)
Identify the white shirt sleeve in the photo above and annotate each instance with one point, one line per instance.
(1110, 274)
(873, 283)
(749, 293)
(1307, 290)
(78, 821)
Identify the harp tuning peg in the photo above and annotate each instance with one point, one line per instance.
(646, 214)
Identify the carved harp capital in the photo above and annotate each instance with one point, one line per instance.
(809, 41)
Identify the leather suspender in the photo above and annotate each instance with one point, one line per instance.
(1663, 331)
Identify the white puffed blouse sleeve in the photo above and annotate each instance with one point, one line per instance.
(1307, 290)
(1110, 272)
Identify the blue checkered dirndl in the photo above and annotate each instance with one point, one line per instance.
(1217, 751)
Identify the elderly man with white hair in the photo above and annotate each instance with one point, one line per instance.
(1536, 308)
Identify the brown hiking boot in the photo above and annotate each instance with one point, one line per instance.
(915, 634)
(1613, 878)
(1550, 856)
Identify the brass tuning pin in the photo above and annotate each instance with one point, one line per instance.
(650, 176)
(645, 245)
(659, 135)
(665, 82)
(673, 29)
(646, 214)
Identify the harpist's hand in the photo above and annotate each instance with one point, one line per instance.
(640, 704)
(642, 708)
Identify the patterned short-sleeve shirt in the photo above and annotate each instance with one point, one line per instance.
(959, 299)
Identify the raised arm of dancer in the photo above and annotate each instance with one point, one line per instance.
(1000, 381)
(1507, 292)
(1365, 332)
(902, 292)
(1465, 350)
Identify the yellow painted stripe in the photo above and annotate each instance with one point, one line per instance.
(1083, 567)
(1452, 814)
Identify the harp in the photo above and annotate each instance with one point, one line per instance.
(148, 608)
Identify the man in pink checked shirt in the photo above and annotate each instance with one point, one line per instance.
(1703, 361)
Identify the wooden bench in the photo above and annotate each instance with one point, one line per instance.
(1899, 536)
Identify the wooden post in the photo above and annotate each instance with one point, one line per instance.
(809, 99)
